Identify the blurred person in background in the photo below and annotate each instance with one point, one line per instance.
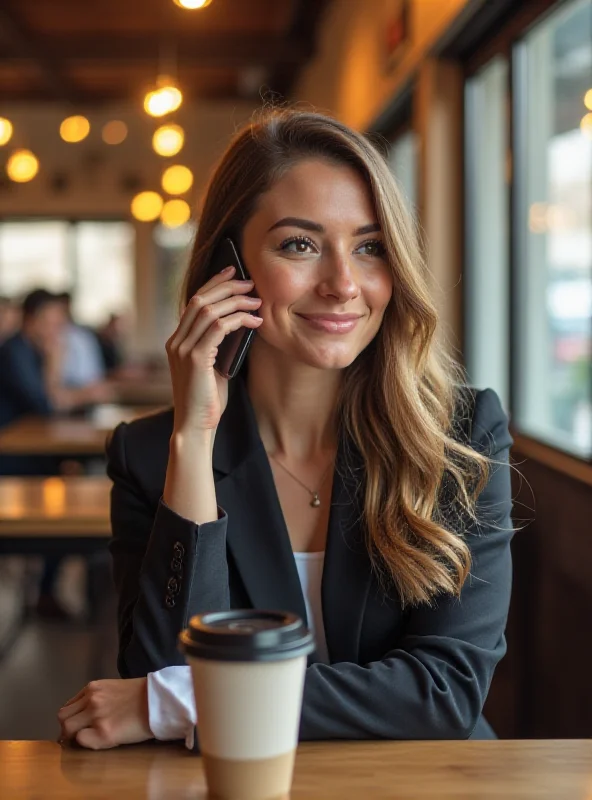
(111, 338)
(10, 318)
(82, 361)
(31, 383)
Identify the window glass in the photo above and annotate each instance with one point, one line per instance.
(173, 249)
(487, 247)
(34, 254)
(553, 159)
(403, 161)
(104, 281)
(95, 261)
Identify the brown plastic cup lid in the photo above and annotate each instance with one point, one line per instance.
(248, 635)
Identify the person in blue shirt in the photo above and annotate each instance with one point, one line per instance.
(31, 384)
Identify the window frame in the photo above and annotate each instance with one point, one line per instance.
(505, 43)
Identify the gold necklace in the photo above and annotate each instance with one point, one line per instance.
(316, 500)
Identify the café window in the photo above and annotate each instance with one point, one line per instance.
(94, 260)
(403, 161)
(173, 250)
(553, 164)
(487, 275)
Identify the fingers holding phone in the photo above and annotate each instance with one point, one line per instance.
(218, 310)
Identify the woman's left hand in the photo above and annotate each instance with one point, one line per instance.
(107, 713)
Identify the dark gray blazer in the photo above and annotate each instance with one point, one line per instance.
(418, 673)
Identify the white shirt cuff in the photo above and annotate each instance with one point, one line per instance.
(171, 704)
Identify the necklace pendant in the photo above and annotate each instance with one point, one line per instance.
(315, 502)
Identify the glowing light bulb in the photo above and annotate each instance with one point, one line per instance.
(175, 213)
(192, 4)
(588, 99)
(177, 179)
(22, 166)
(146, 206)
(5, 130)
(74, 129)
(586, 125)
(114, 132)
(168, 140)
(164, 99)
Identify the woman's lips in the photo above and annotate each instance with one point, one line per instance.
(332, 323)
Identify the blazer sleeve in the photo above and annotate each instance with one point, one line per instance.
(434, 682)
(166, 569)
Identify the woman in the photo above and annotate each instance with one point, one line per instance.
(347, 449)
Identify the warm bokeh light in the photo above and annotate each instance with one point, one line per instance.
(192, 4)
(114, 132)
(175, 213)
(5, 130)
(54, 497)
(22, 166)
(74, 129)
(586, 125)
(146, 206)
(588, 99)
(168, 140)
(177, 179)
(165, 99)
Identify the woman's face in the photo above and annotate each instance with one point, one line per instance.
(316, 254)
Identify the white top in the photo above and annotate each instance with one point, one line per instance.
(310, 572)
(171, 704)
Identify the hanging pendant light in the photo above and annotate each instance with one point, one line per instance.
(22, 166)
(190, 5)
(5, 130)
(168, 140)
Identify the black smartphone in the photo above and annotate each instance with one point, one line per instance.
(234, 347)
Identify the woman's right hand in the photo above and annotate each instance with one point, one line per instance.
(218, 308)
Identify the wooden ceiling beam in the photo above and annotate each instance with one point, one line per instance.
(224, 51)
(17, 40)
(303, 28)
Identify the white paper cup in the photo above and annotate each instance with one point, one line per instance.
(248, 672)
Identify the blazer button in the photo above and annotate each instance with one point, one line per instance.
(173, 586)
(170, 601)
(178, 550)
(177, 566)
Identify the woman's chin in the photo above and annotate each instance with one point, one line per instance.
(329, 358)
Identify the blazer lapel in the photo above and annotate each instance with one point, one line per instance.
(257, 537)
(348, 570)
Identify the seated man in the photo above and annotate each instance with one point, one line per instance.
(82, 363)
(31, 384)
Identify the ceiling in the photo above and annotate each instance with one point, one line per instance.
(94, 52)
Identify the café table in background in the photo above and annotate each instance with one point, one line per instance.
(67, 436)
(150, 391)
(451, 770)
(43, 515)
(51, 516)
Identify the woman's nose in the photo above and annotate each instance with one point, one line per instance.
(339, 278)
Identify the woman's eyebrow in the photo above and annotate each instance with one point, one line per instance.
(315, 227)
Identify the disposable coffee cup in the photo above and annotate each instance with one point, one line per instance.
(248, 675)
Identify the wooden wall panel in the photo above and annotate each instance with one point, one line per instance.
(543, 688)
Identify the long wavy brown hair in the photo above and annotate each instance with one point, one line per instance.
(401, 398)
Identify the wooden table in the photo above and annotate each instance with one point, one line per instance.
(51, 516)
(145, 391)
(541, 770)
(65, 436)
(36, 511)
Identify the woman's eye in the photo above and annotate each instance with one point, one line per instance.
(374, 248)
(299, 244)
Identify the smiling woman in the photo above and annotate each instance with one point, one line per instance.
(211, 505)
